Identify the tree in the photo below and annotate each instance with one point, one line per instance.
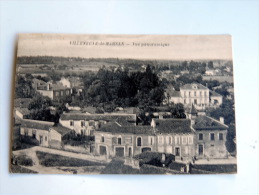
(210, 65)
(177, 110)
(23, 88)
(40, 102)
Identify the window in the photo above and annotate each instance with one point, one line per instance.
(169, 140)
(200, 136)
(186, 150)
(200, 149)
(194, 86)
(184, 101)
(139, 141)
(195, 101)
(184, 140)
(177, 151)
(200, 93)
(195, 93)
(46, 138)
(102, 139)
(82, 123)
(189, 94)
(67, 92)
(91, 123)
(26, 132)
(33, 133)
(71, 123)
(151, 141)
(220, 136)
(57, 93)
(61, 93)
(212, 136)
(160, 139)
(119, 141)
(177, 140)
(190, 140)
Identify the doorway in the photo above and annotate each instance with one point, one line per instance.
(201, 149)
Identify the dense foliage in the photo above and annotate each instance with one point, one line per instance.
(113, 88)
(23, 87)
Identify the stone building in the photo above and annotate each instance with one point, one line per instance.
(36, 131)
(193, 93)
(174, 136)
(86, 124)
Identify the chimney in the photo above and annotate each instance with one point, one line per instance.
(192, 121)
(153, 123)
(221, 119)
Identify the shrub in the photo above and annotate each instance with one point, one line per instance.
(23, 160)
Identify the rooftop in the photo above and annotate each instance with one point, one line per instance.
(37, 125)
(58, 86)
(114, 127)
(213, 93)
(173, 125)
(208, 123)
(97, 117)
(62, 130)
(34, 80)
(193, 86)
(174, 93)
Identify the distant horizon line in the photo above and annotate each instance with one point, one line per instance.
(176, 59)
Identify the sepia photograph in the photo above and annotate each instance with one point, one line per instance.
(123, 104)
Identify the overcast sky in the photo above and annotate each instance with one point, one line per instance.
(176, 46)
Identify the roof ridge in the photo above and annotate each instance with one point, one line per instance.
(217, 121)
(38, 121)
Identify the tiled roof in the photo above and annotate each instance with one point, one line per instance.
(208, 123)
(90, 109)
(213, 93)
(58, 86)
(114, 127)
(34, 124)
(97, 117)
(190, 86)
(62, 130)
(123, 122)
(173, 125)
(174, 93)
(38, 81)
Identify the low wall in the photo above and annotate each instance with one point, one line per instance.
(77, 149)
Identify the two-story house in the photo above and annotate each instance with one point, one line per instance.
(174, 136)
(194, 93)
(86, 124)
(54, 91)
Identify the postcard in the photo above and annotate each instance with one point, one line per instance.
(124, 104)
